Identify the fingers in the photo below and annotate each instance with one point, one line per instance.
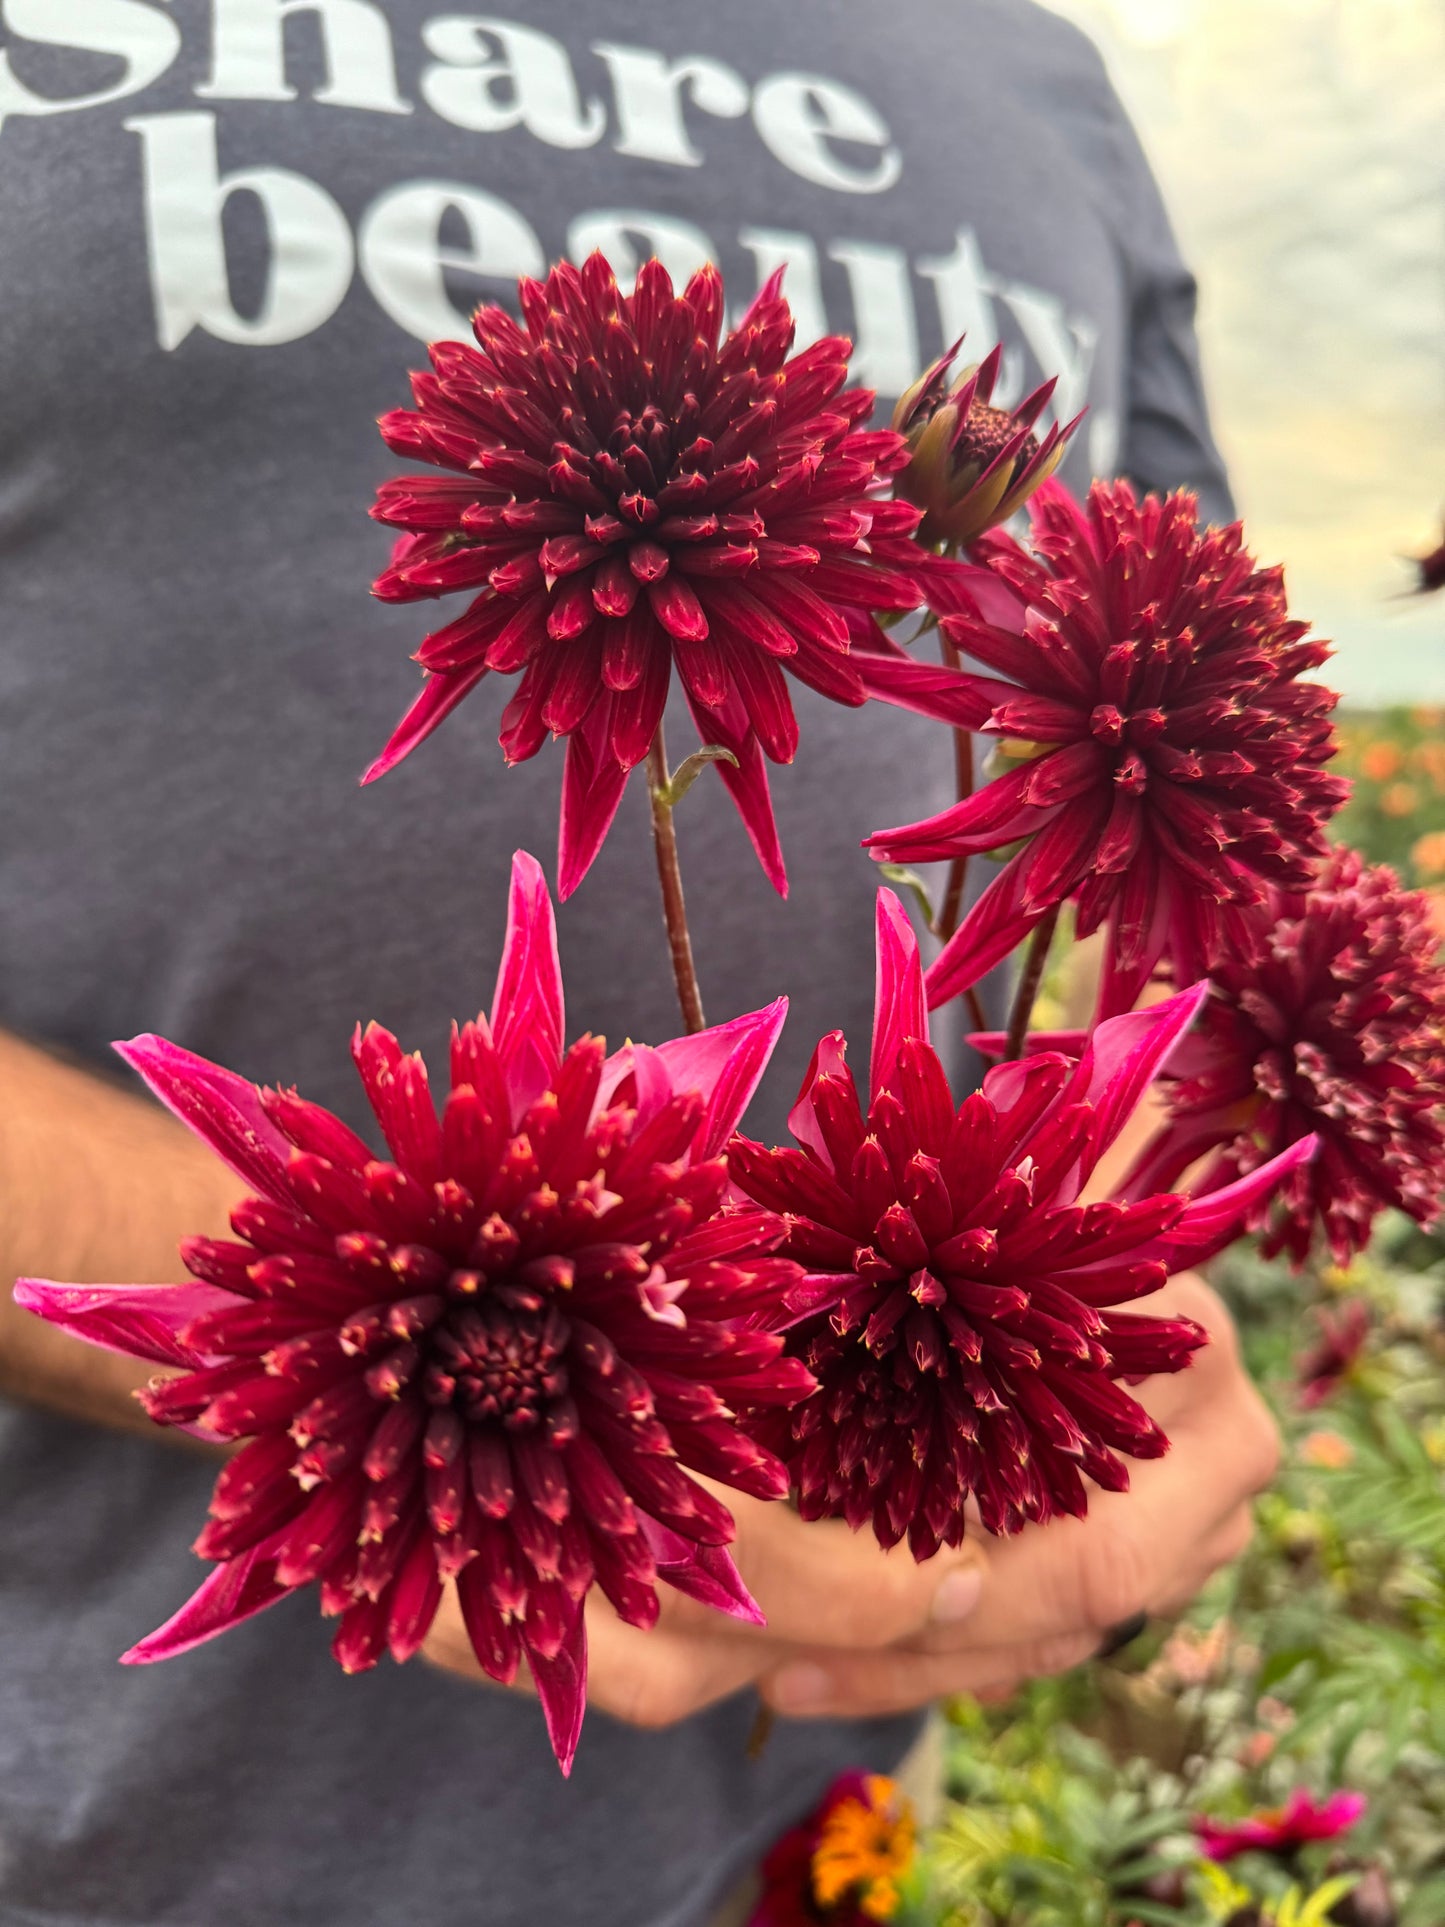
(821, 1584)
(654, 1679)
(822, 1685)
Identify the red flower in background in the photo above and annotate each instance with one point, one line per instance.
(1327, 1017)
(1327, 1363)
(489, 1358)
(621, 492)
(1163, 757)
(842, 1865)
(968, 1339)
(1280, 1830)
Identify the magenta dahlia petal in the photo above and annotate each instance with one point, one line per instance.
(899, 1011)
(222, 1109)
(746, 781)
(561, 1682)
(237, 1590)
(959, 1316)
(528, 1007)
(440, 695)
(496, 1355)
(1210, 1222)
(143, 1321)
(1326, 1019)
(1164, 756)
(725, 1064)
(1122, 1058)
(622, 489)
(1281, 1830)
(704, 1573)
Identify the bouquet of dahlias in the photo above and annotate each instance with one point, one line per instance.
(494, 1354)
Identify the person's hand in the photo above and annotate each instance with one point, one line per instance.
(1053, 1595)
(854, 1630)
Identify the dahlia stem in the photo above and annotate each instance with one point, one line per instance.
(950, 909)
(669, 875)
(1028, 990)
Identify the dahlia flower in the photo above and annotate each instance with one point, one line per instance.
(1161, 755)
(971, 464)
(843, 1865)
(962, 1317)
(620, 492)
(490, 1357)
(1280, 1830)
(1327, 1016)
(1324, 1366)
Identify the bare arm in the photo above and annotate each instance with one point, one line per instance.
(96, 1186)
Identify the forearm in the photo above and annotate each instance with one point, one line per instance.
(96, 1186)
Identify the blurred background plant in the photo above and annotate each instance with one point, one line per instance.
(1396, 760)
(1317, 1664)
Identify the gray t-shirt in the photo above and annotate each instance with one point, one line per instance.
(226, 226)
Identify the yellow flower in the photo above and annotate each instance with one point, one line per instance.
(1428, 854)
(865, 1848)
(1400, 799)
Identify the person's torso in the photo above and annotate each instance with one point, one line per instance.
(226, 231)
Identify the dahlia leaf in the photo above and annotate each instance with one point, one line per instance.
(690, 768)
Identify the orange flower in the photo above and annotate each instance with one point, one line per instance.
(1429, 757)
(866, 1847)
(1400, 799)
(1326, 1451)
(1428, 854)
(1381, 761)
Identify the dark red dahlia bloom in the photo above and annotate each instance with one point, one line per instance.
(621, 491)
(962, 1321)
(1162, 756)
(1280, 1830)
(1327, 1016)
(844, 1865)
(492, 1356)
(1324, 1366)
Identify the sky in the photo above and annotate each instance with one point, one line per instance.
(1301, 148)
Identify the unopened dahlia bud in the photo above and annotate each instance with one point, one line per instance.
(972, 465)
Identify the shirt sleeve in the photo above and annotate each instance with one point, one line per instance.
(1165, 438)
(1167, 441)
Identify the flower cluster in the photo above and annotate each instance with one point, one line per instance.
(1327, 1017)
(621, 492)
(1161, 755)
(963, 1321)
(492, 1357)
(843, 1866)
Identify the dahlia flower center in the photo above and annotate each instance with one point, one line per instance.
(490, 1362)
(986, 432)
